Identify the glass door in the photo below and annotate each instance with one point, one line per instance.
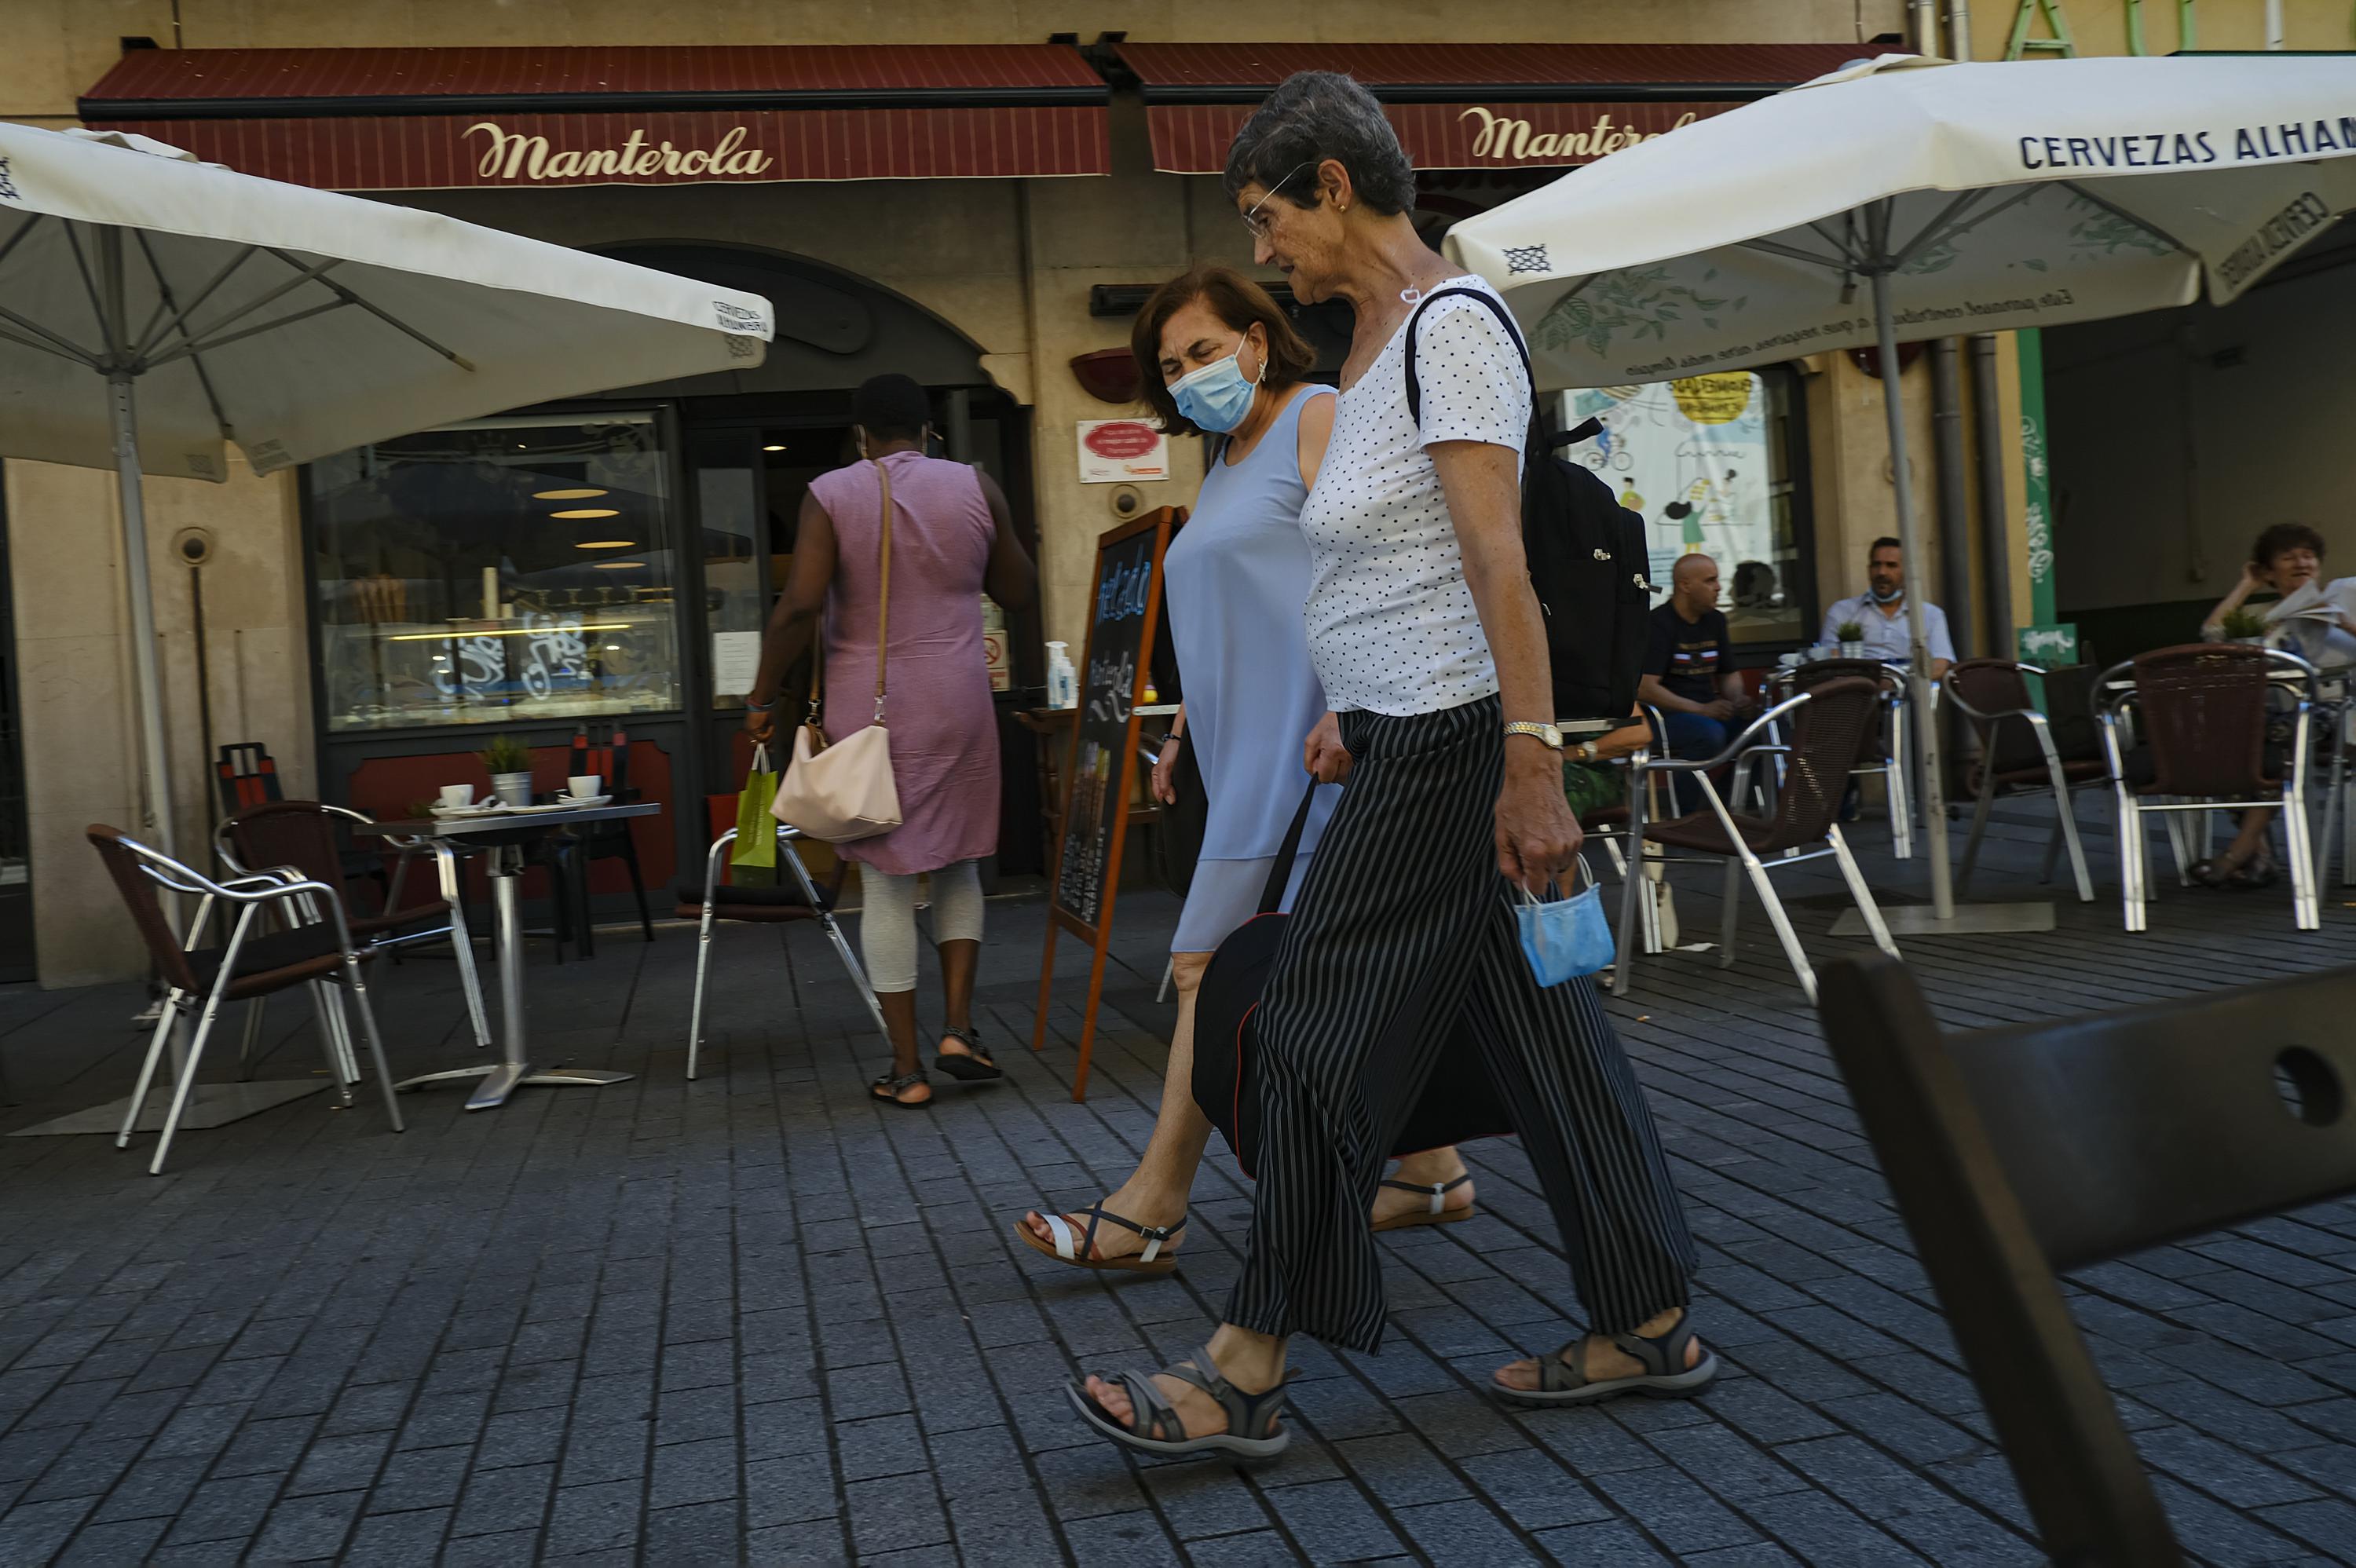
(748, 481)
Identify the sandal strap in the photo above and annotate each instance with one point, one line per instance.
(1151, 1408)
(905, 1081)
(971, 1038)
(1661, 1355)
(1436, 1191)
(1154, 1235)
(1245, 1411)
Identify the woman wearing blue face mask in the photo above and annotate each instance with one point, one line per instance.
(1218, 357)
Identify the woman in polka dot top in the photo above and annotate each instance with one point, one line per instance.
(1400, 983)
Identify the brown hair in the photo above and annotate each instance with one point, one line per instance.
(1235, 300)
(2281, 540)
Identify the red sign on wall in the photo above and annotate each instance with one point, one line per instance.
(1122, 452)
(1122, 439)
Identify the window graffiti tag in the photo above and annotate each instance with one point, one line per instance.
(551, 650)
(554, 651)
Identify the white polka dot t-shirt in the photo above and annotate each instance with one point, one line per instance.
(1392, 627)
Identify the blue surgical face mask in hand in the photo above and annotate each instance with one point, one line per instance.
(1216, 397)
(1566, 937)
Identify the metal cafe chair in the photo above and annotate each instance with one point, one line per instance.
(301, 835)
(2338, 743)
(2201, 711)
(1831, 724)
(319, 951)
(1612, 824)
(2017, 1154)
(248, 776)
(1885, 752)
(2019, 755)
(717, 900)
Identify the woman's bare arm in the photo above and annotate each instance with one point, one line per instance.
(1010, 577)
(1538, 836)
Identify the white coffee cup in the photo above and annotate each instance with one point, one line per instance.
(584, 786)
(457, 796)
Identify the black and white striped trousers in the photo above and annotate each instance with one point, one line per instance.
(1404, 893)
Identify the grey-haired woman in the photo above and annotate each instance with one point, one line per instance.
(1428, 641)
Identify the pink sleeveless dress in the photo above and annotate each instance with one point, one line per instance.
(938, 704)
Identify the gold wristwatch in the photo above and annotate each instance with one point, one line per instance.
(1548, 735)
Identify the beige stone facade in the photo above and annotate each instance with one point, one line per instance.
(1007, 263)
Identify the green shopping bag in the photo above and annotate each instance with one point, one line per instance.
(753, 859)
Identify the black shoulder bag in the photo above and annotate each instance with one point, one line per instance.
(1458, 1102)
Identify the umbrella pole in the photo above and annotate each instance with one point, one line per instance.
(144, 670)
(1930, 788)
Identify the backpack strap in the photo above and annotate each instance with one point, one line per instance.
(1497, 308)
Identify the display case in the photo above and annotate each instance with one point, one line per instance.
(506, 570)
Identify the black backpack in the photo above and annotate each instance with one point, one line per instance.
(1588, 559)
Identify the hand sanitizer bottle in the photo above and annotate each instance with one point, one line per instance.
(1062, 681)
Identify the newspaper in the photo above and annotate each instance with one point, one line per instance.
(2313, 622)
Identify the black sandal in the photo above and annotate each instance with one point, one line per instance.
(1662, 1357)
(887, 1089)
(1158, 1428)
(975, 1068)
(1081, 1250)
(1435, 1210)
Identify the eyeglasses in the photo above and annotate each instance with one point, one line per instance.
(1252, 220)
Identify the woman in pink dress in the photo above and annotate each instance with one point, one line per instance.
(952, 539)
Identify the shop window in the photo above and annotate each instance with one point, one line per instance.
(503, 569)
(1708, 462)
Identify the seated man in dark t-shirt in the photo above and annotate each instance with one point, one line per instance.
(1689, 669)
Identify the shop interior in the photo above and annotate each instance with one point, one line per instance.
(2174, 437)
(608, 564)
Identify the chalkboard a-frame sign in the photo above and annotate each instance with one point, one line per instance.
(1125, 604)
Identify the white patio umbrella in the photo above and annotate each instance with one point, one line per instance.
(154, 308)
(1952, 197)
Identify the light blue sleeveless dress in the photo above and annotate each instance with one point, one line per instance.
(1238, 577)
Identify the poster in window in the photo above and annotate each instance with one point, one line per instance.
(1689, 456)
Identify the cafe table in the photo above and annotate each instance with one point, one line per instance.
(502, 836)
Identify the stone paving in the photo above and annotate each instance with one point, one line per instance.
(757, 1318)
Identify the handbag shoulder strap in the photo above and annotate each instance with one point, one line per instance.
(883, 594)
(1279, 876)
(883, 612)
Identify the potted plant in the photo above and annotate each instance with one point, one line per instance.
(509, 762)
(2243, 625)
(1852, 639)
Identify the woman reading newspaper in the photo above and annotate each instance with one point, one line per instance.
(2311, 618)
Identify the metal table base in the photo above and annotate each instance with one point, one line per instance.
(501, 1078)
